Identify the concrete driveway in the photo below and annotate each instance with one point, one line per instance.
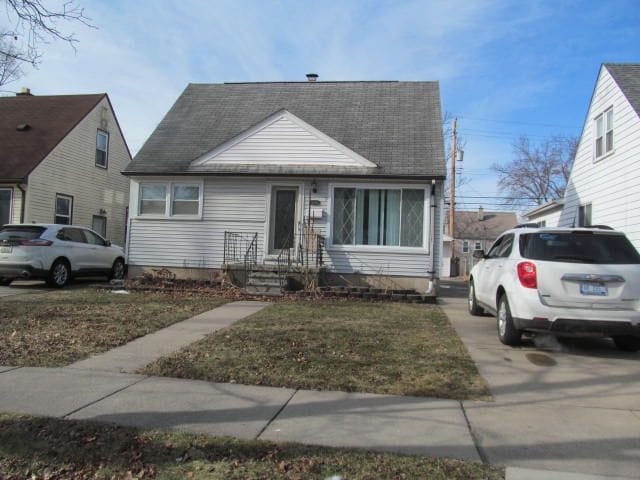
(565, 406)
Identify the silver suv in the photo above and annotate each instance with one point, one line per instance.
(56, 253)
(564, 281)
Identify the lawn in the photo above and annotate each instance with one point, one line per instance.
(58, 328)
(32, 447)
(386, 348)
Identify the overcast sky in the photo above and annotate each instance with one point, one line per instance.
(505, 68)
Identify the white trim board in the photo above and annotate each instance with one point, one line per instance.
(282, 139)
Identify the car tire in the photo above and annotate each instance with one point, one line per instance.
(507, 331)
(59, 274)
(5, 282)
(117, 270)
(474, 309)
(627, 344)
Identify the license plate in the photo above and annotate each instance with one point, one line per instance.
(5, 249)
(593, 289)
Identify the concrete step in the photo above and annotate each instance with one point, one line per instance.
(263, 290)
(263, 283)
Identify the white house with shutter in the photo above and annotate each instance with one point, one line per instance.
(61, 158)
(604, 185)
(345, 175)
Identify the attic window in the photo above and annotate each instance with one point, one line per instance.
(23, 127)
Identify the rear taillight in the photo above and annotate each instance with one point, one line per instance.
(527, 274)
(36, 242)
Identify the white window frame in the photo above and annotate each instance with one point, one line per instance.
(477, 245)
(168, 214)
(381, 248)
(585, 208)
(106, 151)
(465, 246)
(10, 190)
(55, 208)
(607, 127)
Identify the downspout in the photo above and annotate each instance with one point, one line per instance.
(23, 201)
(433, 282)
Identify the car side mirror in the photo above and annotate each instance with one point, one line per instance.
(478, 254)
(108, 243)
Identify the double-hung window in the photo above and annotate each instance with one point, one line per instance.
(584, 215)
(170, 199)
(6, 195)
(102, 148)
(64, 209)
(381, 217)
(604, 133)
(465, 246)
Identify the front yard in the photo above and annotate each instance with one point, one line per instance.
(32, 447)
(386, 348)
(59, 328)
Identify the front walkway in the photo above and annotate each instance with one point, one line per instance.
(142, 351)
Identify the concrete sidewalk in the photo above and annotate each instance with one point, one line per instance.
(409, 425)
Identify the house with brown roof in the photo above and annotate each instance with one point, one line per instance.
(477, 230)
(60, 162)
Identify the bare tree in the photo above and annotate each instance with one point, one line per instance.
(29, 24)
(9, 66)
(537, 172)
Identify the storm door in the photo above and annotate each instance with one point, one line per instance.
(283, 218)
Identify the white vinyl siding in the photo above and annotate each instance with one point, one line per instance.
(242, 205)
(609, 184)
(70, 168)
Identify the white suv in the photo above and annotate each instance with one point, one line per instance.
(56, 253)
(563, 281)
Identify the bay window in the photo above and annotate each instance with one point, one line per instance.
(381, 217)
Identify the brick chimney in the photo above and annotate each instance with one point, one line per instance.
(480, 213)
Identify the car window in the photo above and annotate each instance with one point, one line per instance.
(71, 235)
(495, 248)
(20, 233)
(506, 246)
(93, 239)
(579, 247)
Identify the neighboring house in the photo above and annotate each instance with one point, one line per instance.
(605, 176)
(547, 214)
(61, 159)
(477, 230)
(357, 165)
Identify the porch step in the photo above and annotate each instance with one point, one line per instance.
(263, 282)
(266, 290)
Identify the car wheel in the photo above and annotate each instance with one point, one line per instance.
(5, 281)
(507, 332)
(628, 344)
(474, 309)
(60, 274)
(117, 271)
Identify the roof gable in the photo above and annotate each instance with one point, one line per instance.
(627, 76)
(282, 139)
(49, 120)
(395, 125)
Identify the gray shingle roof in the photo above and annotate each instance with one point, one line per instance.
(396, 125)
(627, 76)
(493, 224)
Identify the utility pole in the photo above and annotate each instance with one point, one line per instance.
(452, 184)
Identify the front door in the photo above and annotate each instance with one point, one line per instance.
(283, 218)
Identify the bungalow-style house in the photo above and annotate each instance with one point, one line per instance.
(477, 230)
(343, 176)
(61, 159)
(604, 180)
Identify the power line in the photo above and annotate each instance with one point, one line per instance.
(519, 123)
